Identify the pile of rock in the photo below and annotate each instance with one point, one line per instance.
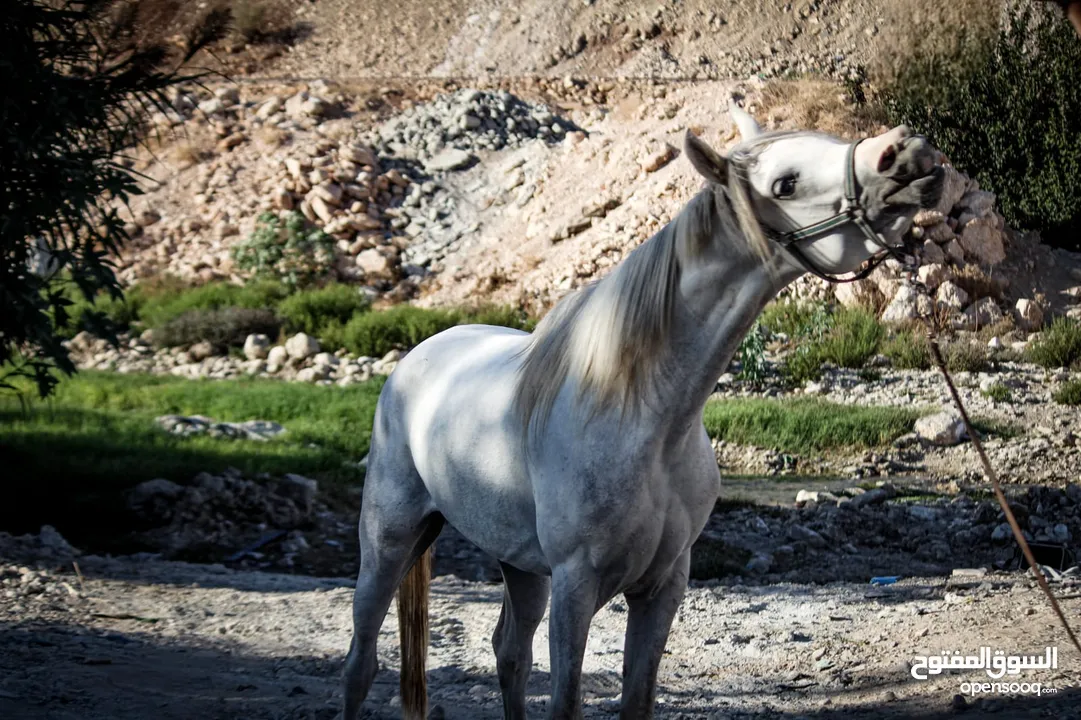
(960, 242)
(300, 359)
(216, 515)
(375, 193)
(855, 533)
(186, 426)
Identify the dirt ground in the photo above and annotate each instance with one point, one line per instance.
(139, 638)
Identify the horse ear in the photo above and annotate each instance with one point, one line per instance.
(748, 127)
(707, 161)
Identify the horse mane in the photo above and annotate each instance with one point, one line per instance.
(609, 336)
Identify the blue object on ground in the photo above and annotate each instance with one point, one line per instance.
(885, 580)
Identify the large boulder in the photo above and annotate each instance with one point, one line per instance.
(903, 307)
(950, 296)
(301, 346)
(1029, 315)
(276, 359)
(983, 241)
(256, 346)
(942, 429)
(982, 313)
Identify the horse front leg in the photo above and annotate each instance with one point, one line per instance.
(649, 620)
(574, 602)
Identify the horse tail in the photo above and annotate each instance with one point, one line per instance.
(413, 635)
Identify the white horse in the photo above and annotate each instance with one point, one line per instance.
(577, 455)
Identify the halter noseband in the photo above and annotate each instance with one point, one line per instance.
(852, 212)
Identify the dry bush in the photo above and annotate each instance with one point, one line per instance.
(272, 137)
(823, 105)
(185, 154)
(263, 21)
(979, 284)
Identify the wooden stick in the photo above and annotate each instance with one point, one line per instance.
(993, 476)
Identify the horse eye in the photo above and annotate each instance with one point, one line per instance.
(784, 187)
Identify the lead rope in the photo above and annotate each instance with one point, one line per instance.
(936, 354)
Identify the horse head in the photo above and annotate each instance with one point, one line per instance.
(830, 204)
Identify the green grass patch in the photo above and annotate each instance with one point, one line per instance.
(805, 425)
(98, 432)
(1059, 345)
(908, 350)
(75, 454)
(1068, 394)
(998, 392)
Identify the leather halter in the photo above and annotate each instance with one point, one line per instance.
(851, 212)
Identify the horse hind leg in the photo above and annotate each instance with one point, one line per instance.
(525, 596)
(396, 528)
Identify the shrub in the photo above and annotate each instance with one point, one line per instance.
(228, 327)
(909, 350)
(850, 338)
(998, 392)
(1059, 345)
(404, 326)
(500, 315)
(1012, 120)
(313, 311)
(286, 249)
(795, 319)
(158, 305)
(802, 365)
(1068, 394)
(964, 356)
(853, 339)
(752, 355)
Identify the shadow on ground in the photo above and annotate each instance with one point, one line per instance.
(62, 672)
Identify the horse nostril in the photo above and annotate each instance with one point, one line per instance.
(885, 162)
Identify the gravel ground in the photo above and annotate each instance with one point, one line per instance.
(138, 638)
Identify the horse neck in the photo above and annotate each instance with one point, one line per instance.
(720, 298)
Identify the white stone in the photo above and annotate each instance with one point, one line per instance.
(942, 429)
(982, 313)
(977, 202)
(950, 296)
(932, 254)
(373, 262)
(449, 159)
(933, 275)
(325, 358)
(1029, 314)
(862, 293)
(256, 346)
(201, 350)
(276, 359)
(301, 346)
(903, 307)
(954, 251)
(953, 187)
(271, 106)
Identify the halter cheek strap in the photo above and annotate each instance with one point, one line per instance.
(852, 212)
